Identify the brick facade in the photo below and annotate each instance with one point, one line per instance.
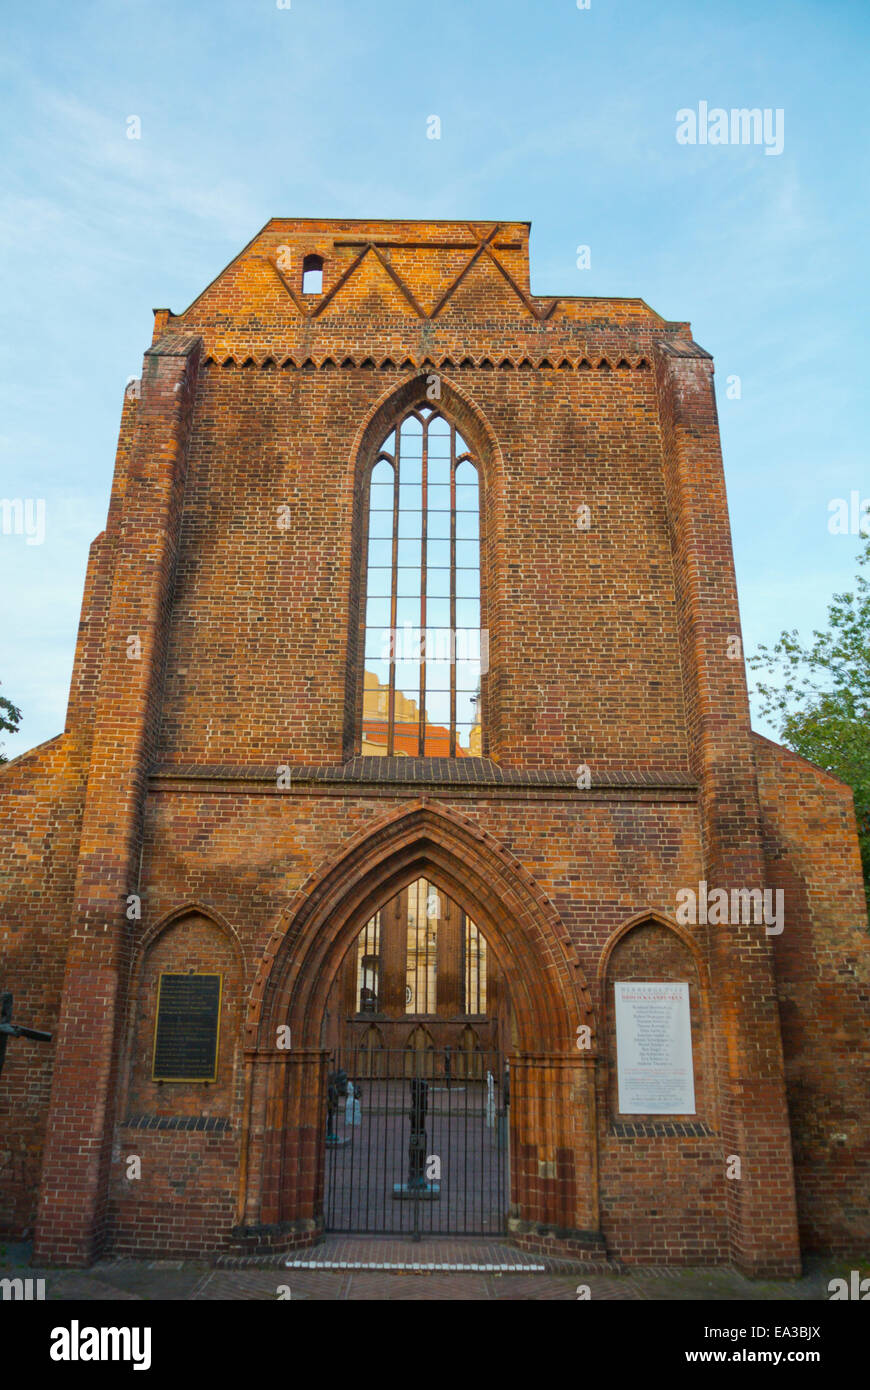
(216, 647)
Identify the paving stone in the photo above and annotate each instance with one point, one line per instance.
(125, 1279)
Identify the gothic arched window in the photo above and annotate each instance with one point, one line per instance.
(424, 651)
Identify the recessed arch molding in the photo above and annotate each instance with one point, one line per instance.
(553, 1147)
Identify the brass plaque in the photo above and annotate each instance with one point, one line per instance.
(187, 1030)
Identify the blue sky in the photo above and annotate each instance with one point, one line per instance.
(560, 116)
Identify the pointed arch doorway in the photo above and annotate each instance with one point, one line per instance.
(417, 1024)
(552, 1128)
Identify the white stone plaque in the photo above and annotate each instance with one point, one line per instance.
(654, 1049)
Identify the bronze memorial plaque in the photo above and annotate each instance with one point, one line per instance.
(187, 1028)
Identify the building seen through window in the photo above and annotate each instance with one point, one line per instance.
(424, 651)
(424, 910)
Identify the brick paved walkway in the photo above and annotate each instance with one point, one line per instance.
(179, 1280)
(451, 1254)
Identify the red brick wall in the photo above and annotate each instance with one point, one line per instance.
(76, 1165)
(823, 987)
(762, 1220)
(584, 642)
(40, 812)
(184, 1204)
(662, 1177)
(185, 1196)
(190, 943)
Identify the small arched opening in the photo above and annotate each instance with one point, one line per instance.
(312, 275)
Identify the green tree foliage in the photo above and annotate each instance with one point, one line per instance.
(10, 718)
(818, 693)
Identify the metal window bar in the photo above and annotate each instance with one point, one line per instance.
(424, 501)
(453, 734)
(423, 918)
(419, 1004)
(394, 590)
(395, 461)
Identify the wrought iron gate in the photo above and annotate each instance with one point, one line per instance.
(417, 1143)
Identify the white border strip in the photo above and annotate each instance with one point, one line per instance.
(403, 1265)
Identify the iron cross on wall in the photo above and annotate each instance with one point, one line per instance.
(15, 1030)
